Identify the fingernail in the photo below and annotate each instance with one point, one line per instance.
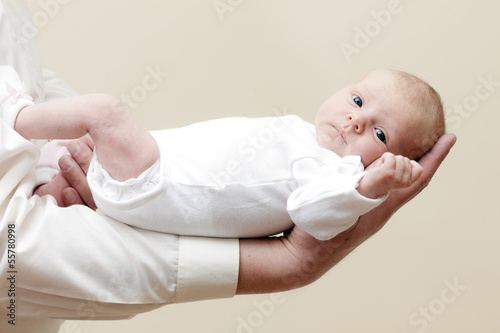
(69, 197)
(66, 163)
(74, 148)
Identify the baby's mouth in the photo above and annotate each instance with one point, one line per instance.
(341, 132)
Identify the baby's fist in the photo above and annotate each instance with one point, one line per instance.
(389, 173)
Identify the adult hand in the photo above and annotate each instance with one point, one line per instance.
(297, 259)
(326, 254)
(74, 169)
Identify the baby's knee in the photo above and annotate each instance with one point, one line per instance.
(109, 114)
(110, 109)
(110, 106)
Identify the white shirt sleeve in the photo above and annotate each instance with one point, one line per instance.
(75, 263)
(208, 268)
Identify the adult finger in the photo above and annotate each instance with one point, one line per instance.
(53, 188)
(71, 197)
(82, 150)
(430, 162)
(75, 175)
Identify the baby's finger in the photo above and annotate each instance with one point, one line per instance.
(408, 170)
(389, 160)
(402, 171)
(407, 163)
(416, 171)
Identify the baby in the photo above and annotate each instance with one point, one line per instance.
(246, 177)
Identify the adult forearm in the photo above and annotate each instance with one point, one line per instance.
(292, 261)
(265, 265)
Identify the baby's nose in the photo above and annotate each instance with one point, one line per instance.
(357, 122)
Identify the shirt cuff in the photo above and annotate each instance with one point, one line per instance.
(208, 268)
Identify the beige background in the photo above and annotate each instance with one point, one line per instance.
(258, 57)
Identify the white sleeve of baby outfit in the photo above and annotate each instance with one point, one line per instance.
(13, 95)
(326, 206)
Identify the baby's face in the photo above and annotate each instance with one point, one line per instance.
(367, 118)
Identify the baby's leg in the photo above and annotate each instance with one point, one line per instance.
(124, 147)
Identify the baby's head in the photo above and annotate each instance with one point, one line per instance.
(388, 110)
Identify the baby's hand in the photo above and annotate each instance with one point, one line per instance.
(389, 173)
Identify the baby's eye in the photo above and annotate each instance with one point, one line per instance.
(380, 135)
(357, 100)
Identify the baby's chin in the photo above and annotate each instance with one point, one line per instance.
(334, 144)
(329, 144)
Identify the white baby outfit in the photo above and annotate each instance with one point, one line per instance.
(232, 177)
(238, 177)
(13, 95)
